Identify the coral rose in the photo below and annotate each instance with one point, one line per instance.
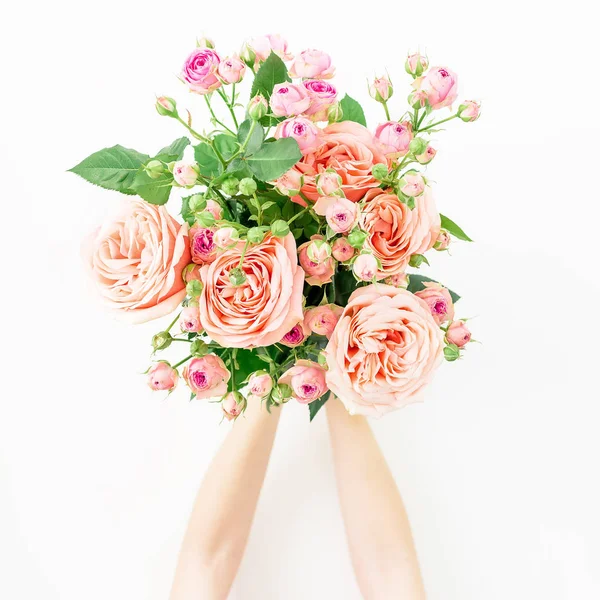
(137, 261)
(383, 351)
(395, 231)
(439, 300)
(351, 151)
(265, 307)
(322, 319)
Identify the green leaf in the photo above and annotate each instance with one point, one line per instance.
(248, 361)
(154, 191)
(271, 72)
(416, 285)
(174, 151)
(186, 213)
(237, 168)
(317, 405)
(345, 284)
(210, 165)
(273, 159)
(416, 260)
(256, 139)
(454, 229)
(112, 168)
(226, 145)
(353, 110)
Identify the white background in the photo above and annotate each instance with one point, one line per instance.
(498, 468)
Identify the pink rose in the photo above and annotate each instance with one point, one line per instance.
(202, 244)
(329, 183)
(412, 184)
(225, 237)
(190, 319)
(307, 380)
(394, 138)
(443, 241)
(263, 45)
(233, 405)
(381, 89)
(322, 319)
(304, 131)
(365, 267)
(439, 301)
(137, 261)
(458, 334)
(289, 183)
(427, 156)
(231, 70)
(185, 174)
(162, 376)
(350, 150)
(395, 231)
(312, 64)
(440, 86)
(322, 96)
(260, 385)
(383, 351)
(200, 71)
(469, 111)
(207, 377)
(267, 305)
(342, 250)
(295, 336)
(316, 273)
(341, 214)
(215, 209)
(289, 99)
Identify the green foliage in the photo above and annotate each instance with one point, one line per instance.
(154, 191)
(226, 145)
(317, 405)
(112, 168)
(353, 111)
(273, 159)
(452, 228)
(416, 285)
(270, 73)
(256, 138)
(208, 162)
(345, 284)
(173, 151)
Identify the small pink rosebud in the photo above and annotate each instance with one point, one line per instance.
(427, 156)
(295, 336)
(323, 319)
(166, 107)
(260, 47)
(458, 334)
(289, 100)
(318, 251)
(394, 138)
(225, 237)
(469, 111)
(231, 70)
(440, 85)
(307, 381)
(443, 240)
(415, 64)
(185, 174)
(303, 130)
(365, 267)
(260, 385)
(342, 250)
(258, 107)
(233, 405)
(322, 95)
(215, 209)
(205, 42)
(439, 301)
(289, 183)
(381, 89)
(162, 376)
(312, 64)
(342, 215)
(417, 99)
(399, 280)
(412, 184)
(190, 319)
(328, 183)
(202, 245)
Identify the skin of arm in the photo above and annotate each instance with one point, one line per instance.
(377, 527)
(216, 536)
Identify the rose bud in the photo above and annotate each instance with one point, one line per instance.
(417, 146)
(231, 70)
(458, 334)
(439, 301)
(231, 186)
(258, 107)
(469, 111)
(205, 42)
(190, 320)
(451, 352)
(202, 245)
(199, 348)
(289, 183)
(323, 319)
(161, 340)
(199, 71)
(303, 130)
(166, 107)
(237, 277)
(191, 273)
(289, 99)
(365, 267)
(225, 237)
(318, 251)
(341, 214)
(263, 45)
(194, 288)
(427, 156)
(307, 380)
(185, 174)
(233, 405)
(248, 55)
(380, 171)
(295, 336)
(154, 169)
(162, 376)
(440, 85)
(443, 240)
(399, 280)
(260, 385)
(342, 250)
(316, 273)
(412, 184)
(335, 113)
(357, 238)
(312, 64)
(381, 89)
(207, 376)
(395, 138)
(197, 202)
(281, 394)
(328, 183)
(215, 209)
(248, 186)
(415, 64)
(417, 99)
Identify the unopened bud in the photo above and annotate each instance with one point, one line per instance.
(451, 352)
(197, 203)
(194, 288)
(248, 55)
(205, 42)
(258, 107)
(166, 107)
(199, 348)
(380, 171)
(205, 219)
(357, 238)
(443, 241)
(154, 169)
(247, 186)
(417, 146)
(415, 64)
(256, 235)
(381, 89)
(237, 277)
(469, 111)
(318, 251)
(280, 228)
(281, 393)
(231, 186)
(161, 340)
(335, 113)
(427, 156)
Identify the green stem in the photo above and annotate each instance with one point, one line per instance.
(298, 215)
(173, 323)
(182, 361)
(212, 112)
(243, 254)
(251, 130)
(219, 155)
(421, 119)
(437, 123)
(229, 105)
(387, 111)
(233, 367)
(181, 340)
(259, 209)
(197, 135)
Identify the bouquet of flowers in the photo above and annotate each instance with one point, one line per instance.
(288, 275)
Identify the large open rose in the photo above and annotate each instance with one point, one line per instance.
(349, 149)
(383, 350)
(264, 308)
(137, 260)
(395, 231)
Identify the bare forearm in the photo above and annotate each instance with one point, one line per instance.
(378, 530)
(222, 516)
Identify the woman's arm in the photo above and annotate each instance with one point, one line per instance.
(377, 527)
(218, 529)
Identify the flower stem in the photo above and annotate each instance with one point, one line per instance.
(212, 112)
(182, 361)
(229, 104)
(173, 322)
(251, 130)
(437, 123)
(387, 110)
(197, 135)
(298, 215)
(243, 254)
